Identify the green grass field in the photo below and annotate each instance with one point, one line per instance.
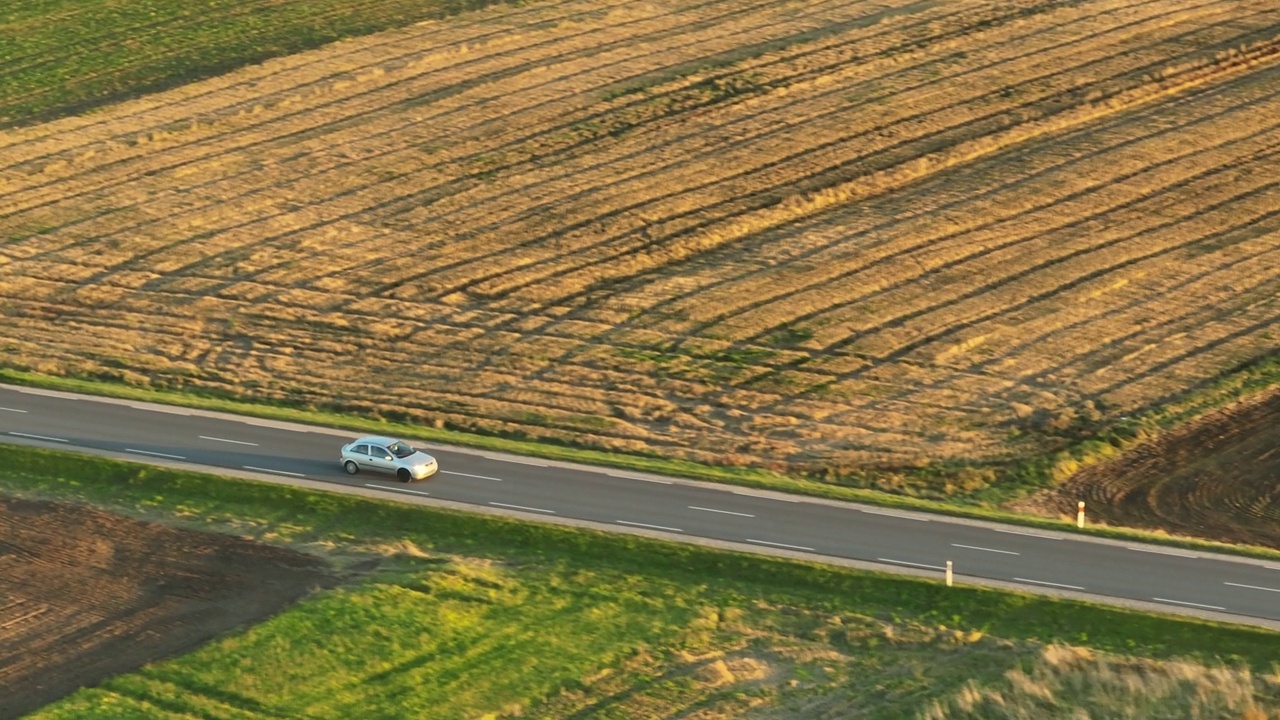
(477, 616)
(63, 56)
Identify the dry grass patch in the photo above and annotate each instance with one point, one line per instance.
(1076, 683)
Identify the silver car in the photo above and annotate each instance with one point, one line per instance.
(388, 455)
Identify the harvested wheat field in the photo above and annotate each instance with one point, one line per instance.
(85, 595)
(812, 235)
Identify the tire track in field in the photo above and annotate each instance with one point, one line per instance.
(429, 355)
(986, 287)
(673, 304)
(1098, 351)
(644, 255)
(366, 186)
(569, 228)
(1198, 352)
(437, 191)
(994, 282)
(1080, 227)
(790, 295)
(1212, 477)
(321, 64)
(566, 126)
(735, 70)
(822, 282)
(650, 172)
(640, 245)
(1067, 353)
(584, 33)
(900, 351)
(1068, 222)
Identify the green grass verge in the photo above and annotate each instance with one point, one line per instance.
(307, 517)
(476, 616)
(449, 643)
(746, 477)
(64, 56)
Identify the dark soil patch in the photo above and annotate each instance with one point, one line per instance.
(1217, 478)
(85, 595)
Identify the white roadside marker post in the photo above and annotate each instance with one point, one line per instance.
(948, 573)
(1080, 514)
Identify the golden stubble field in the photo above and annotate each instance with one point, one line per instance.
(805, 234)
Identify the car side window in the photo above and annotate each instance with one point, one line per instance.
(360, 450)
(379, 452)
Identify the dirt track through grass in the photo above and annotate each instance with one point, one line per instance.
(814, 235)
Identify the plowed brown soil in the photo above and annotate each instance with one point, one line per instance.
(85, 595)
(1217, 478)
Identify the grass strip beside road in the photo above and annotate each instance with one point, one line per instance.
(741, 476)
(323, 520)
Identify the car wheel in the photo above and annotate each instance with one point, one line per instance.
(404, 475)
(350, 467)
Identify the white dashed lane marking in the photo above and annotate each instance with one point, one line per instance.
(1183, 602)
(236, 442)
(1252, 587)
(37, 437)
(641, 479)
(894, 515)
(480, 477)
(170, 411)
(722, 512)
(1027, 534)
(1051, 584)
(523, 507)
(156, 454)
(984, 549)
(269, 470)
(912, 564)
(517, 462)
(647, 525)
(1174, 553)
(396, 489)
(781, 545)
(764, 497)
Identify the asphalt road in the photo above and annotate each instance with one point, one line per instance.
(1059, 563)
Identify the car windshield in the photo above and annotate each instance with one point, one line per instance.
(400, 450)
